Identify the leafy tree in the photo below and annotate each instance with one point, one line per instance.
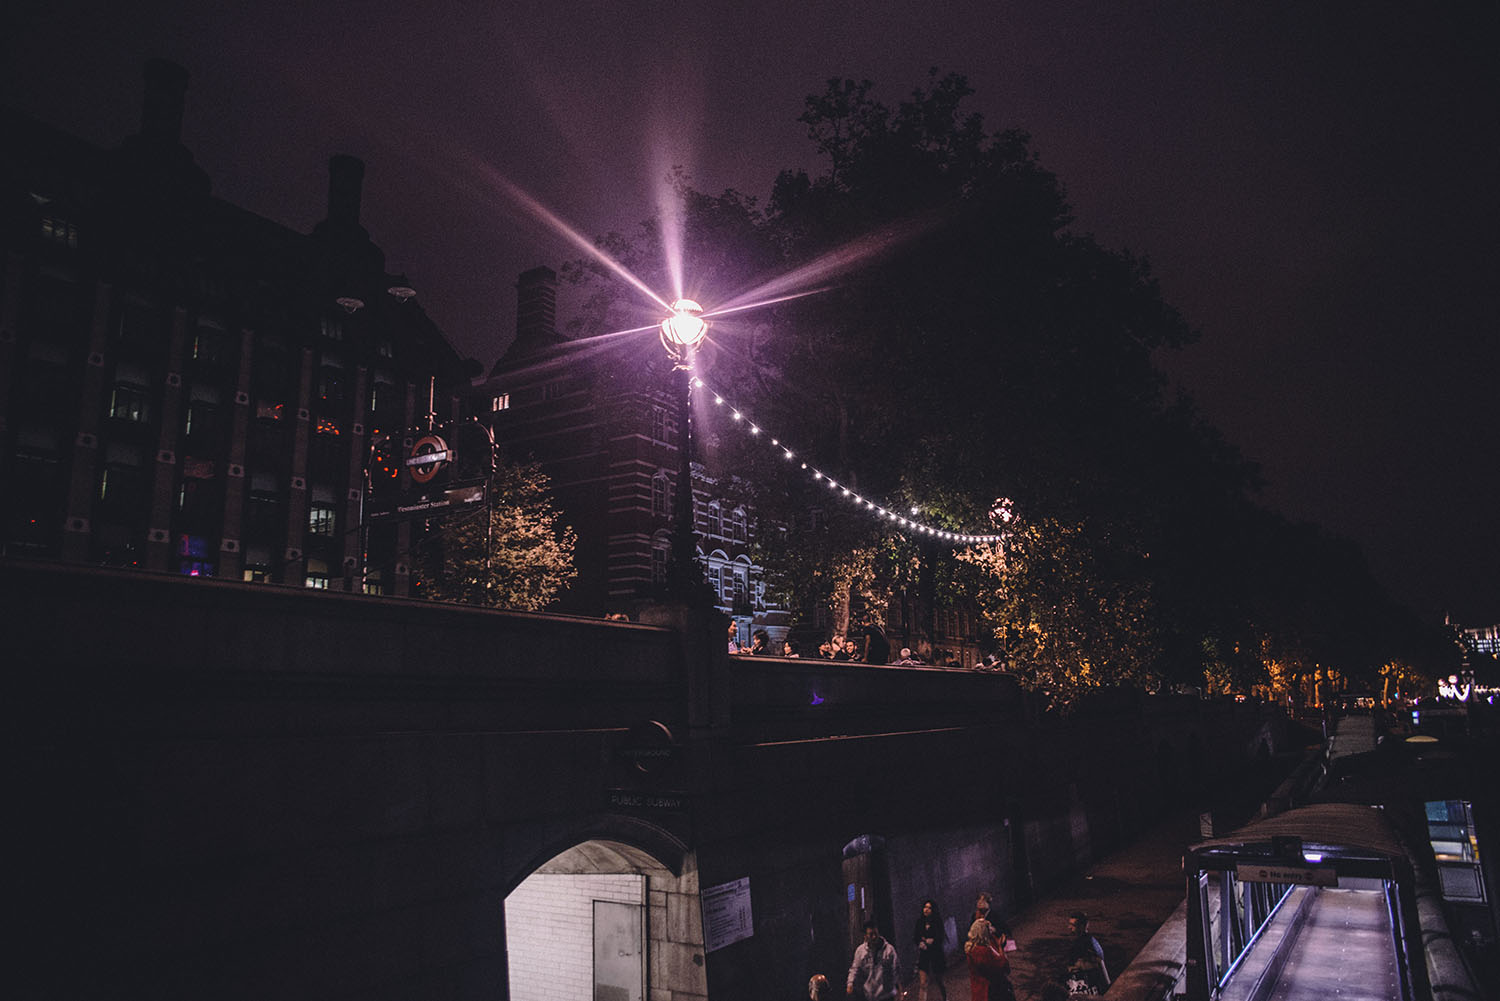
(967, 345)
(1066, 621)
(513, 552)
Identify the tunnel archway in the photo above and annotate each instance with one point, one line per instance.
(605, 919)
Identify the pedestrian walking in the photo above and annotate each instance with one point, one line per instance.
(989, 970)
(1085, 972)
(872, 975)
(932, 956)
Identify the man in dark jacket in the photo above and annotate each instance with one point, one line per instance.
(1086, 973)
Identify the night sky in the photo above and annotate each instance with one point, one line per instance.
(1314, 184)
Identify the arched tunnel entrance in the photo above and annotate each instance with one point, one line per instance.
(608, 921)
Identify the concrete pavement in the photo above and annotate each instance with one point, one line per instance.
(1127, 894)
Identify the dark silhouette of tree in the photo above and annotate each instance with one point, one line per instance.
(969, 346)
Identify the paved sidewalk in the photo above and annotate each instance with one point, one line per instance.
(1128, 894)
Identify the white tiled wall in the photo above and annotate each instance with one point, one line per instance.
(549, 932)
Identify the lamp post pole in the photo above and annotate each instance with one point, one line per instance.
(681, 333)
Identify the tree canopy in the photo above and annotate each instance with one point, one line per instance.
(968, 349)
(512, 552)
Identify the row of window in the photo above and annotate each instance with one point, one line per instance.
(123, 483)
(730, 581)
(727, 525)
(316, 574)
(59, 306)
(130, 400)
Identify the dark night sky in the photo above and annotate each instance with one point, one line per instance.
(1315, 184)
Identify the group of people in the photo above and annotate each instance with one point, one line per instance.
(760, 644)
(875, 649)
(873, 974)
(871, 648)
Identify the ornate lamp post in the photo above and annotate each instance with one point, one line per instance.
(681, 333)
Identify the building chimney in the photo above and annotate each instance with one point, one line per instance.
(536, 306)
(346, 175)
(161, 115)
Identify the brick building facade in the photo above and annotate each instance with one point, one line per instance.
(605, 428)
(186, 386)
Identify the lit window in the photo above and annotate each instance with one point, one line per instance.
(127, 402)
(317, 575)
(320, 519)
(208, 345)
(122, 482)
(257, 565)
(193, 553)
(201, 418)
(499, 403)
(382, 393)
(60, 231)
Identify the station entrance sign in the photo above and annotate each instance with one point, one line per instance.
(451, 499)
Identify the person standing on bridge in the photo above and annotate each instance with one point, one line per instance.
(877, 648)
(872, 975)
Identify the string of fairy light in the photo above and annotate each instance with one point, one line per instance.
(870, 507)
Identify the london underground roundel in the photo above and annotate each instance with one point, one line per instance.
(428, 454)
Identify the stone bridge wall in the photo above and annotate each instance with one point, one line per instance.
(227, 790)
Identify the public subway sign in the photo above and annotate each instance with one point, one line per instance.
(726, 914)
(1290, 874)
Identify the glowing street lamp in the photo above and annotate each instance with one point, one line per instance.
(681, 333)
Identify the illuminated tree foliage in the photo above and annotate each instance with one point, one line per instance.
(1065, 621)
(514, 553)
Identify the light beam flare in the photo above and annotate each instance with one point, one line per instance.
(540, 212)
